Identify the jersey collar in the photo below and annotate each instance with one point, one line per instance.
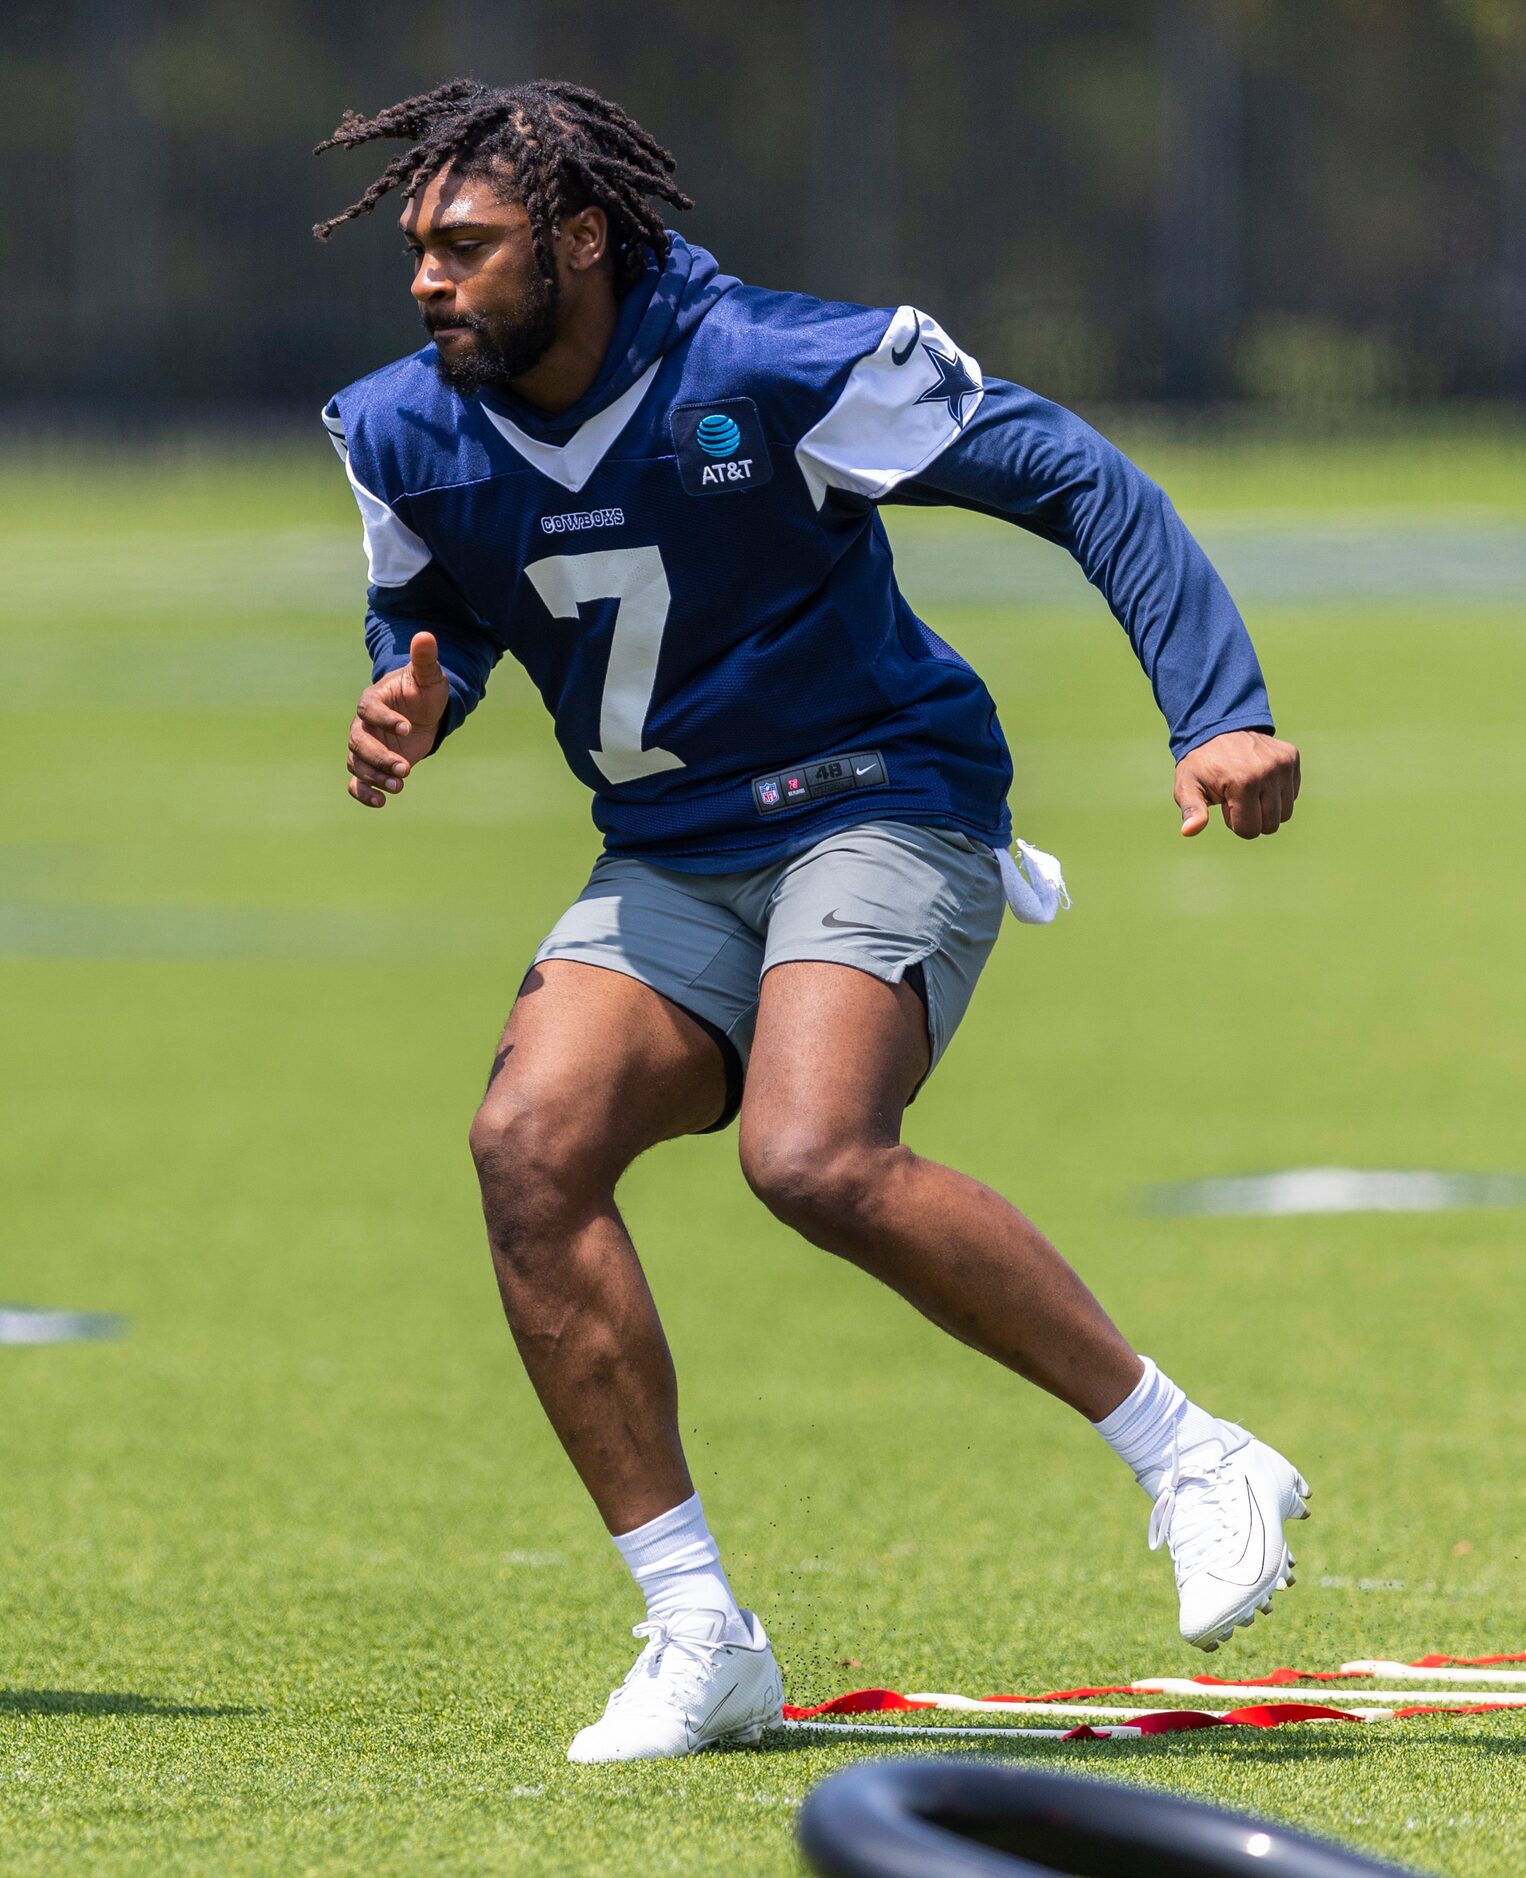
(573, 462)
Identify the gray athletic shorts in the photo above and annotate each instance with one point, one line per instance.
(893, 899)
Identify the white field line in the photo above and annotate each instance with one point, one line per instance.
(1332, 1697)
(1407, 1672)
(1309, 1190)
(22, 1323)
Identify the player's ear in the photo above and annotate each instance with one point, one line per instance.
(584, 239)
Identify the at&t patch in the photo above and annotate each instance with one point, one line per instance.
(720, 447)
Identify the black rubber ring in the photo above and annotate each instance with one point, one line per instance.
(963, 1818)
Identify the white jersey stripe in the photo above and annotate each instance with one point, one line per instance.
(394, 553)
(884, 427)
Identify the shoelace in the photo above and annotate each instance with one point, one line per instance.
(682, 1679)
(1190, 1547)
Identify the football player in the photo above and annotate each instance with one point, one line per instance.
(659, 489)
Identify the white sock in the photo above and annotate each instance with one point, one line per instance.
(677, 1564)
(1152, 1419)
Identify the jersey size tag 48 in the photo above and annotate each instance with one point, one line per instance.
(720, 447)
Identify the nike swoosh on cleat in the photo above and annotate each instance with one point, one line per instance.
(1257, 1532)
(696, 1728)
(900, 354)
(847, 925)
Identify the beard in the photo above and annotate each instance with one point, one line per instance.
(503, 346)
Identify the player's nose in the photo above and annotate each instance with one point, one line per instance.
(429, 282)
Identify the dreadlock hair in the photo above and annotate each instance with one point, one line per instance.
(565, 147)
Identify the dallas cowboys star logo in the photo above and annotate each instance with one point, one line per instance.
(953, 387)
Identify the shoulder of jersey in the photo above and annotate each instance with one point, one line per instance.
(400, 425)
(777, 346)
(866, 397)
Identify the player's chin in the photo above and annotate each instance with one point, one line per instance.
(461, 366)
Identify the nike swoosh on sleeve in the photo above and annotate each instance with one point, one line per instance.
(900, 354)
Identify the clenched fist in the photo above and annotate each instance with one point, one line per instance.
(1254, 778)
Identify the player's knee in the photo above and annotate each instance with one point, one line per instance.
(816, 1185)
(534, 1162)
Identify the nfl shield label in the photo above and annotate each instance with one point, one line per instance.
(720, 447)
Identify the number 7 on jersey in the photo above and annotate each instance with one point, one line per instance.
(635, 578)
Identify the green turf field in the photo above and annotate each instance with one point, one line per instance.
(294, 1579)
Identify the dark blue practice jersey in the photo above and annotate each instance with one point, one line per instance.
(690, 564)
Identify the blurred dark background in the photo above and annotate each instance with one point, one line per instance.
(1305, 205)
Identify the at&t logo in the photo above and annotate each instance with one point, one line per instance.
(721, 448)
(720, 436)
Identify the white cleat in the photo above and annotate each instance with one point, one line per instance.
(1220, 1511)
(692, 1687)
